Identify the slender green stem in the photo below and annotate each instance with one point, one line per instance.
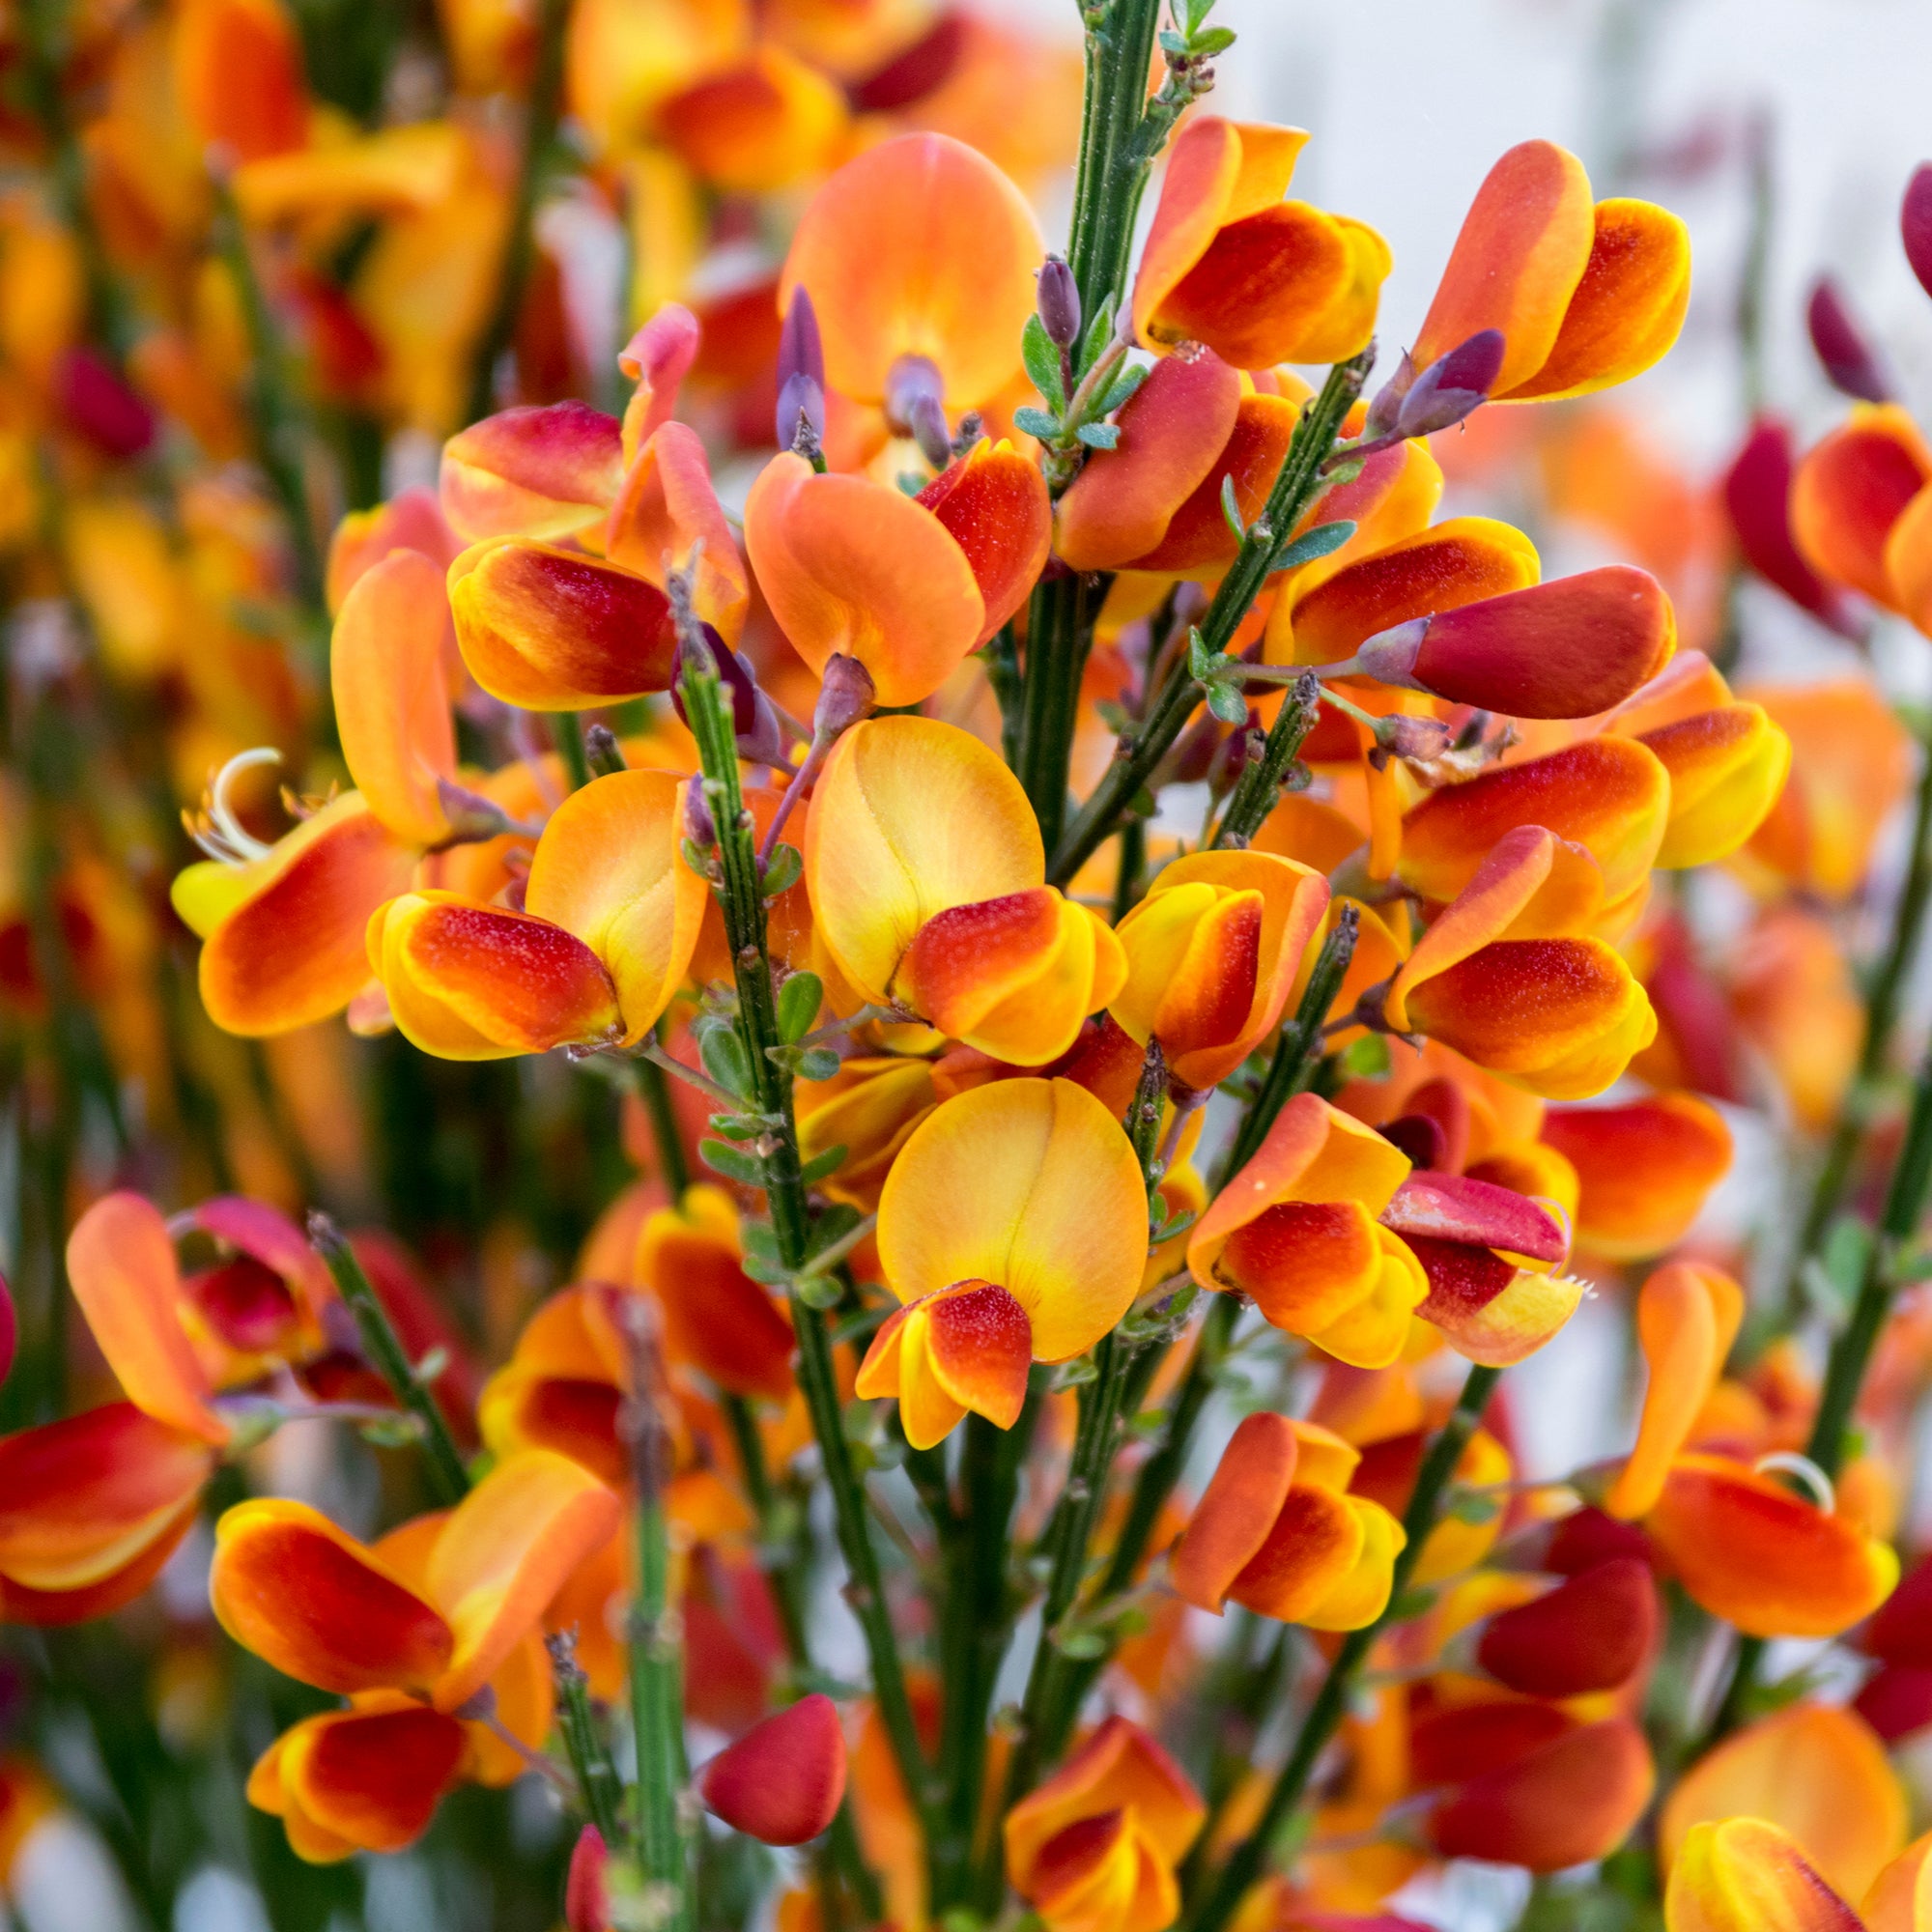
(597, 1779)
(520, 243)
(740, 892)
(1882, 1008)
(1249, 1858)
(1259, 785)
(654, 1091)
(390, 1360)
(567, 734)
(1296, 487)
(1059, 636)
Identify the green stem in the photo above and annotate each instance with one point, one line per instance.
(740, 898)
(1296, 486)
(1881, 1007)
(1059, 635)
(567, 735)
(654, 1091)
(597, 1779)
(390, 1359)
(1249, 1858)
(520, 243)
(1259, 785)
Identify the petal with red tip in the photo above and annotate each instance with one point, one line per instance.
(1646, 1169)
(1727, 767)
(1745, 1875)
(716, 1316)
(366, 1779)
(1231, 1521)
(1452, 1208)
(920, 246)
(120, 1263)
(993, 504)
(657, 358)
(1118, 1766)
(1849, 490)
(411, 519)
(542, 472)
(1757, 493)
(783, 1780)
(1523, 250)
(666, 510)
(1627, 310)
(1592, 1632)
(610, 868)
(1198, 541)
(757, 126)
(1313, 1540)
(552, 630)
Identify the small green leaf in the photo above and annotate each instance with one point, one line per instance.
(1321, 541)
(1099, 435)
(759, 1238)
(1042, 361)
(817, 1062)
(396, 1435)
(732, 1162)
(1467, 1506)
(1125, 384)
(821, 1165)
(725, 1060)
(817, 1290)
(735, 1127)
(783, 870)
(1231, 507)
(1227, 703)
(1037, 422)
(772, 1274)
(799, 1000)
(1215, 41)
(1099, 330)
(1172, 42)
(1083, 1643)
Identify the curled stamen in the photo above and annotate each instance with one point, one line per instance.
(215, 827)
(1810, 1477)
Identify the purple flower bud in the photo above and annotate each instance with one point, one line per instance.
(1453, 385)
(1235, 753)
(1914, 224)
(700, 827)
(1385, 411)
(846, 697)
(915, 407)
(753, 721)
(1849, 360)
(928, 423)
(801, 371)
(1059, 298)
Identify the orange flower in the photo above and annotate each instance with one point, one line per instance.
(1645, 1170)
(1861, 514)
(918, 249)
(411, 1630)
(1095, 1848)
(1584, 296)
(925, 871)
(1746, 1875)
(716, 1316)
(757, 126)
(1501, 978)
(1298, 1231)
(906, 585)
(1211, 951)
(1035, 1260)
(1276, 1530)
(539, 473)
(1258, 279)
(667, 518)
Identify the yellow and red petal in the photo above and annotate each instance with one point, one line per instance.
(121, 1264)
(666, 512)
(411, 519)
(993, 503)
(542, 472)
(1646, 1168)
(920, 246)
(554, 630)
(657, 358)
(1055, 1214)
(238, 68)
(716, 1316)
(1627, 310)
(1305, 1265)
(1231, 1521)
(1727, 767)
(1116, 1766)
(283, 935)
(1849, 492)
(1745, 1875)
(320, 1606)
(853, 567)
(1313, 1543)
(610, 868)
(386, 674)
(366, 1779)
(757, 126)
(1198, 541)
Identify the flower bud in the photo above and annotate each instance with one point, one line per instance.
(1385, 411)
(783, 1780)
(586, 1891)
(700, 827)
(753, 721)
(800, 372)
(1849, 360)
(914, 389)
(846, 697)
(1914, 224)
(1453, 385)
(1059, 298)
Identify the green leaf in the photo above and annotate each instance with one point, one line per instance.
(773, 1275)
(816, 1062)
(759, 1238)
(1231, 507)
(1321, 541)
(799, 1000)
(1099, 435)
(1215, 41)
(1368, 1057)
(1125, 384)
(1227, 703)
(782, 871)
(735, 1127)
(1042, 361)
(820, 1165)
(1202, 665)
(1467, 1506)
(1099, 330)
(725, 1060)
(732, 1162)
(1037, 422)
(1172, 42)
(817, 1290)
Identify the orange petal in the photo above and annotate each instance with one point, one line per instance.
(1908, 560)
(319, 1605)
(283, 935)
(993, 504)
(1751, 1552)
(411, 519)
(1457, 563)
(1572, 1800)
(1852, 489)
(657, 359)
(541, 472)
(238, 68)
(552, 630)
(920, 246)
(385, 675)
(666, 509)
(83, 1499)
(1745, 1875)
(1116, 1766)
(1611, 796)
(1646, 1168)
(758, 127)
(910, 817)
(855, 567)
(1592, 1632)
(1900, 1898)
(120, 1263)
(610, 868)
(1627, 310)
(716, 1316)
(1198, 542)
(366, 1780)
(480, 983)
(1812, 1771)
(1232, 1520)
(508, 1548)
(1312, 1545)
(1686, 1318)
(1727, 767)
(1523, 247)
(1055, 1216)
(783, 1780)
(1174, 431)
